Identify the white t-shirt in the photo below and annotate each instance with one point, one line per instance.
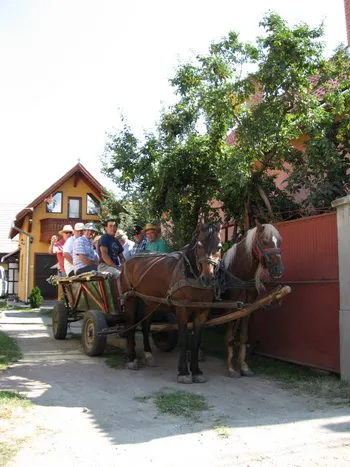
(127, 248)
(68, 248)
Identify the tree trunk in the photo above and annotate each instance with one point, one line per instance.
(266, 201)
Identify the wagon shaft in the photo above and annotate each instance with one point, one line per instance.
(277, 295)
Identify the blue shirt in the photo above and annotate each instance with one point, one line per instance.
(138, 247)
(82, 246)
(113, 246)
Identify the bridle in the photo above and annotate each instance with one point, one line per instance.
(263, 254)
(207, 259)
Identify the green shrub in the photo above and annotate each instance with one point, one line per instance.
(35, 297)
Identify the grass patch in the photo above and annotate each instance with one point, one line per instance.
(10, 400)
(181, 403)
(10, 403)
(296, 378)
(9, 351)
(9, 450)
(4, 306)
(115, 357)
(220, 427)
(47, 313)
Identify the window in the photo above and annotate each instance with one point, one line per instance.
(92, 205)
(74, 208)
(54, 202)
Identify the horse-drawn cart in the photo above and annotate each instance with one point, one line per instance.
(94, 297)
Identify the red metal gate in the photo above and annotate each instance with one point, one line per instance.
(305, 329)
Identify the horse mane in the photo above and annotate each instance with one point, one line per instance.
(229, 256)
(267, 234)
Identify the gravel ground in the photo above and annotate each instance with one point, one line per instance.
(85, 413)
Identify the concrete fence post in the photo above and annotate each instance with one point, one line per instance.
(343, 225)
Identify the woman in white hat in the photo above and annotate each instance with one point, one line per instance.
(56, 246)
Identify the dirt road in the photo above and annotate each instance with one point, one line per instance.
(86, 413)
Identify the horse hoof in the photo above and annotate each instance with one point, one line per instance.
(184, 379)
(233, 374)
(198, 379)
(247, 373)
(133, 365)
(150, 361)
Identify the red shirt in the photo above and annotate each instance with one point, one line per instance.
(58, 249)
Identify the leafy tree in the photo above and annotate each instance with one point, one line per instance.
(270, 94)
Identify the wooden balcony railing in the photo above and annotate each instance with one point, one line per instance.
(51, 226)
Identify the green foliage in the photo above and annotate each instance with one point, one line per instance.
(35, 297)
(270, 94)
(127, 212)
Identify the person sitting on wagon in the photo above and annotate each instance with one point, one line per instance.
(155, 243)
(125, 242)
(140, 241)
(110, 250)
(85, 258)
(68, 249)
(56, 247)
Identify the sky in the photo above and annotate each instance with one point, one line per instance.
(69, 68)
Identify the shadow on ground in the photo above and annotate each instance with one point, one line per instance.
(57, 374)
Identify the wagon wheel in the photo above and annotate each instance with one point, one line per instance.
(59, 321)
(166, 341)
(93, 322)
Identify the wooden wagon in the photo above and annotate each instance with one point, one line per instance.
(94, 298)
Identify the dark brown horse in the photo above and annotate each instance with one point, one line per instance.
(187, 275)
(240, 272)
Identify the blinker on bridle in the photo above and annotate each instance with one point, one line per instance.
(263, 254)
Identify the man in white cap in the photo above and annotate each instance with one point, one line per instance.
(56, 246)
(125, 242)
(85, 258)
(68, 249)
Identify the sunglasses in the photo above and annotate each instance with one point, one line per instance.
(68, 233)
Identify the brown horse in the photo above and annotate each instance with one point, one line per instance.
(186, 275)
(240, 273)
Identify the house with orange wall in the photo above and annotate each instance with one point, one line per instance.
(75, 197)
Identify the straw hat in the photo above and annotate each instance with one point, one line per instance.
(150, 227)
(66, 228)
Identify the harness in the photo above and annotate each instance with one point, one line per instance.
(226, 280)
(174, 286)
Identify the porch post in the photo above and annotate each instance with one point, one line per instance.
(343, 225)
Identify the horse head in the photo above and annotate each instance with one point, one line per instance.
(266, 243)
(207, 245)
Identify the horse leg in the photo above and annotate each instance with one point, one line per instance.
(146, 325)
(245, 370)
(199, 319)
(231, 334)
(183, 376)
(130, 310)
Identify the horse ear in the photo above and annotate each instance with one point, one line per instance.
(259, 227)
